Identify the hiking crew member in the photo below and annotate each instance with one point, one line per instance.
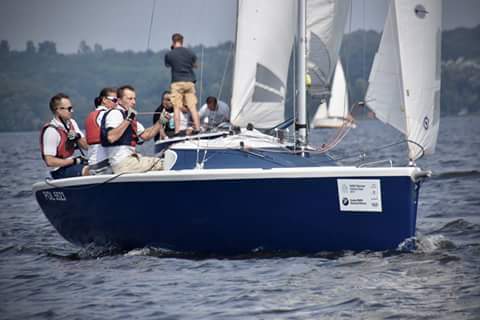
(182, 60)
(97, 154)
(59, 138)
(120, 132)
(214, 112)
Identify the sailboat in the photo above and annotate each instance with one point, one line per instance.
(244, 190)
(336, 114)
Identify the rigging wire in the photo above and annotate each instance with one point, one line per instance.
(154, 2)
(363, 154)
(201, 73)
(348, 52)
(49, 182)
(227, 63)
(294, 88)
(364, 45)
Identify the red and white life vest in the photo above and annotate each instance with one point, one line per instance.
(92, 128)
(65, 148)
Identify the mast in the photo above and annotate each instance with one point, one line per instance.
(301, 121)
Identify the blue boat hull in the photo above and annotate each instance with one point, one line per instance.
(234, 158)
(230, 216)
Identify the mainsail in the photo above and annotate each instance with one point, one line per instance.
(264, 42)
(325, 27)
(266, 31)
(404, 88)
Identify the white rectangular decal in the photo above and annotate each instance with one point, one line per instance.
(359, 195)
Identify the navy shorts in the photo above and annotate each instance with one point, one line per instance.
(74, 170)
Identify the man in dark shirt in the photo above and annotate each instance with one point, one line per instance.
(182, 61)
(164, 113)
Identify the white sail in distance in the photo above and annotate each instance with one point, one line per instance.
(325, 28)
(404, 88)
(264, 42)
(337, 112)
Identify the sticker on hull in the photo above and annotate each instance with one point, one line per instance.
(359, 195)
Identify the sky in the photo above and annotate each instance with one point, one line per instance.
(124, 24)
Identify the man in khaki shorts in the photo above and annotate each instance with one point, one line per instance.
(182, 60)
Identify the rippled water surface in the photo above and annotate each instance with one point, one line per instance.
(44, 277)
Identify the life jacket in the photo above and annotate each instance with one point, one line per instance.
(65, 148)
(92, 128)
(129, 136)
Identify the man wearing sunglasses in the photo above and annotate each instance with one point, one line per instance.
(59, 138)
(97, 154)
(120, 133)
(164, 113)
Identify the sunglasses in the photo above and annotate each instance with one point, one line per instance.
(70, 109)
(113, 99)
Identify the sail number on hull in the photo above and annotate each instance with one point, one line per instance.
(54, 196)
(359, 195)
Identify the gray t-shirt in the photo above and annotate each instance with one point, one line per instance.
(181, 61)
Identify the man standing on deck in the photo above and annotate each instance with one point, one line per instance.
(59, 138)
(182, 60)
(120, 132)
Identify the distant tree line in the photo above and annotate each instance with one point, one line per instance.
(30, 77)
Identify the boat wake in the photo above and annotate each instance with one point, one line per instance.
(432, 243)
(460, 227)
(456, 174)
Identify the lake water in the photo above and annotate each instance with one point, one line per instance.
(44, 277)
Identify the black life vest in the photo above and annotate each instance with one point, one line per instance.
(129, 136)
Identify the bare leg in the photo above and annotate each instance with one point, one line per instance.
(177, 101)
(176, 118)
(195, 117)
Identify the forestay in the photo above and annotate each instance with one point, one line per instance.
(325, 27)
(404, 88)
(264, 42)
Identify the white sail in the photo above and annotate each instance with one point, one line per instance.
(404, 89)
(337, 111)
(264, 42)
(325, 27)
(420, 42)
(321, 114)
(384, 94)
(338, 105)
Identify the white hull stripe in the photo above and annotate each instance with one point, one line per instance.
(237, 174)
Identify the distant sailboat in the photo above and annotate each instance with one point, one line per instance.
(336, 114)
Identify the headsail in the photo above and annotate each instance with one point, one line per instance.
(384, 94)
(325, 27)
(264, 42)
(404, 88)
